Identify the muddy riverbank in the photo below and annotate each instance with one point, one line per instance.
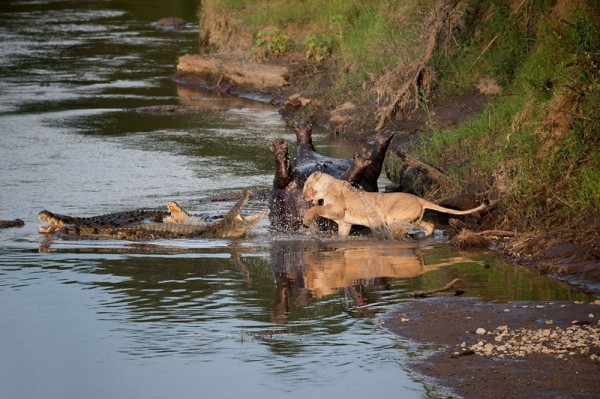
(289, 316)
(453, 327)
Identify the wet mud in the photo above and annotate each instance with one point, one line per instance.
(442, 324)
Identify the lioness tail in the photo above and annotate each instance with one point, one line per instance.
(435, 207)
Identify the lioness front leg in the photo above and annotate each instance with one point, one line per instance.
(310, 218)
(344, 228)
(325, 211)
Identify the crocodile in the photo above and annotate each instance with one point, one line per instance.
(5, 224)
(56, 221)
(170, 23)
(175, 109)
(174, 224)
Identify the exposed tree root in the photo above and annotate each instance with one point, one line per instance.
(406, 83)
(430, 171)
(482, 239)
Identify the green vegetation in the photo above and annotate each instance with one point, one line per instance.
(357, 38)
(319, 47)
(538, 61)
(543, 129)
(272, 42)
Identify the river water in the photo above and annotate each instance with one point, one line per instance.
(270, 315)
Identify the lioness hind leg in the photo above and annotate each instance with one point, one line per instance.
(427, 227)
(404, 230)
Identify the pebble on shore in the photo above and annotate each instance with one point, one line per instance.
(580, 338)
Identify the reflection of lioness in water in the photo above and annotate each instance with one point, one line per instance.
(339, 201)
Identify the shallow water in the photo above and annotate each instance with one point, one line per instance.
(268, 315)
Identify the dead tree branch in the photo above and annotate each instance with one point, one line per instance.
(424, 293)
(406, 83)
(431, 172)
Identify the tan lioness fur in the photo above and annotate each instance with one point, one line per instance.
(339, 201)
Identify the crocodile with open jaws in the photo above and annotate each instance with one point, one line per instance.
(153, 224)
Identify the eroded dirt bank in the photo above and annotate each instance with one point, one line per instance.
(533, 367)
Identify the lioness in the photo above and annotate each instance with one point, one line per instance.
(339, 201)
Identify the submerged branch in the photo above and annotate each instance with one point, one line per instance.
(424, 293)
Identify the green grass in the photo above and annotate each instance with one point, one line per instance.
(361, 38)
(559, 184)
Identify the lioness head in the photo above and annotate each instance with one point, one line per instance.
(317, 186)
(308, 192)
(313, 186)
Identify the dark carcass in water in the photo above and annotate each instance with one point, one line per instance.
(286, 205)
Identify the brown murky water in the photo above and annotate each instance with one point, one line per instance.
(267, 316)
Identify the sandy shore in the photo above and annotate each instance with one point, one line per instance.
(504, 350)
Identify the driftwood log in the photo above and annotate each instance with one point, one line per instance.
(480, 239)
(217, 69)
